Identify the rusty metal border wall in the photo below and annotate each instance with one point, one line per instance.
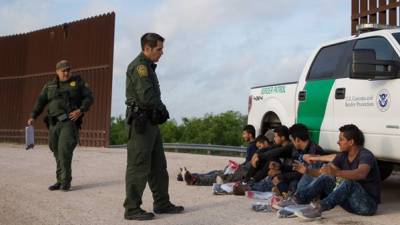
(374, 11)
(27, 62)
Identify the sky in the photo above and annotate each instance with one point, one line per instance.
(215, 50)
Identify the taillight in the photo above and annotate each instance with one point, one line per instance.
(249, 103)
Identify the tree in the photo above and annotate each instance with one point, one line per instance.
(118, 131)
(171, 132)
(221, 129)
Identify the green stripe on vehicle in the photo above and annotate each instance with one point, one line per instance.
(311, 112)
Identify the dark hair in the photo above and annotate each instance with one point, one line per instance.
(300, 131)
(282, 131)
(150, 39)
(261, 138)
(351, 132)
(250, 129)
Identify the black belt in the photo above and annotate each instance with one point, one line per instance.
(53, 120)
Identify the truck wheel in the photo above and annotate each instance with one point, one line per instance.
(385, 168)
(270, 121)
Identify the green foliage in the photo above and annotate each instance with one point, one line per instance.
(171, 132)
(118, 133)
(222, 129)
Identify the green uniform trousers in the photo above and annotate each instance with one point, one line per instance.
(63, 138)
(146, 163)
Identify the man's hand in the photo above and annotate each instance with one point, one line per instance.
(254, 160)
(74, 115)
(299, 167)
(329, 169)
(30, 121)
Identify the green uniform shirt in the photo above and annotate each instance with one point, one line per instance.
(142, 85)
(63, 97)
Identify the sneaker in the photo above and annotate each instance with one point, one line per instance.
(259, 195)
(188, 177)
(217, 190)
(309, 213)
(170, 209)
(141, 215)
(262, 207)
(179, 177)
(284, 213)
(282, 204)
(55, 186)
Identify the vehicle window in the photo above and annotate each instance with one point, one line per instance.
(332, 62)
(380, 45)
(382, 48)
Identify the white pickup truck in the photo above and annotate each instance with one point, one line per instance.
(352, 80)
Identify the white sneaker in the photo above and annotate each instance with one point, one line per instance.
(310, 213)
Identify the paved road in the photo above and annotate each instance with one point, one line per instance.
(98, 192)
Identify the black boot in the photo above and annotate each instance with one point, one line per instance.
(170, 208)
(141, 215)
(65, 187)
(55, 186)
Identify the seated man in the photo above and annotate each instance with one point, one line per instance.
(302, 145)
(358, 193)
(265, 185)
(261, 159)
(207, 179)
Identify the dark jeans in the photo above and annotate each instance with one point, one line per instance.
(349, 195)
(305, 182)
(207, 179)
(263, 185)
(310, 187)
(352, 197)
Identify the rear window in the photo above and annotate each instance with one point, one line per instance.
(332, 62)
(381, 47)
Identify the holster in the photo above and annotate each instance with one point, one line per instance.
(50, 121)
(53, 120)
(140, 118)
(158, 116)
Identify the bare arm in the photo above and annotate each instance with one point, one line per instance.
(318, 158)
(357, 174)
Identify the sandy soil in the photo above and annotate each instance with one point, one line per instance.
(98, 192)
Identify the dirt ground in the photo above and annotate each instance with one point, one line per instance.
(98, 191)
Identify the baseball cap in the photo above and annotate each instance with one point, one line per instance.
(63, 64)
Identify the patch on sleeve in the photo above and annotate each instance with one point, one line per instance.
(72, 84)
(142, 71)
(86, 84)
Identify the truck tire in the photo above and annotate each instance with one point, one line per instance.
(270, 121)
(385, 169)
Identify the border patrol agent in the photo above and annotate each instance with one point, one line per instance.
(145, 111)
(67, 98)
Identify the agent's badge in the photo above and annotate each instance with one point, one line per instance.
(72, 84)
(142, 71)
